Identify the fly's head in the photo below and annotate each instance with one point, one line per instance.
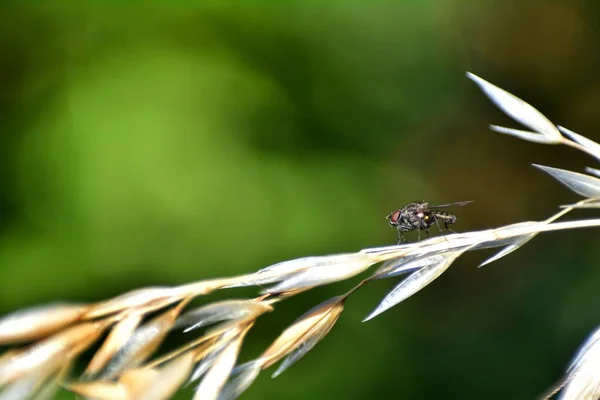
(394, 217)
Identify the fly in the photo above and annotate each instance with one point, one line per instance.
(420, 216)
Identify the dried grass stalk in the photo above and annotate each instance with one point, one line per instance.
(58, 333)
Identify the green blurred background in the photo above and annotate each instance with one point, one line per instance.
(158, 145)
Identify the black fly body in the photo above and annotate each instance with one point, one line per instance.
(420, 216)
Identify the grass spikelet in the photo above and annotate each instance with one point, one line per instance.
(167, 380)
(35, 323)
(319, 319)
(118, 337)
(217, 375)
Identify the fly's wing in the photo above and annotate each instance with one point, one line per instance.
(458, 203)
(417, 205)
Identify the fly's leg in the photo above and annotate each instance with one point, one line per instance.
(448, 227)
(401, 238)
(418, 235)
(427, 232)
(437, 222)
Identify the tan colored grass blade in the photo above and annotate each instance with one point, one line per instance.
(236, 310)
(298, 272)
(280, 271)
(158, 297)
(169, 379)
(208, 347)
(201, 346)
(24, 387)
(207, 286)
(99, 390)
(136, 380)
(310, 340)
(38, 322)
(338, 268)
(6, 357)
(50, 388)
(216, 377)
(118, 336)
(40, 384)
(294, 335)
(142, 343)
(208, 358)
(237, 385)
(52, 353)
(207, 343)
(207, 354)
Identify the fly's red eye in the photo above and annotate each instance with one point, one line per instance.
(395, 216)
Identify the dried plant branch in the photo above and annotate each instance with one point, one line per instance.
(582, 380)
(58, 333)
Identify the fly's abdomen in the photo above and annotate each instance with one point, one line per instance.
(445, 217)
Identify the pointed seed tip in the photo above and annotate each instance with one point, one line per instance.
(473, 77)
(368, 318)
